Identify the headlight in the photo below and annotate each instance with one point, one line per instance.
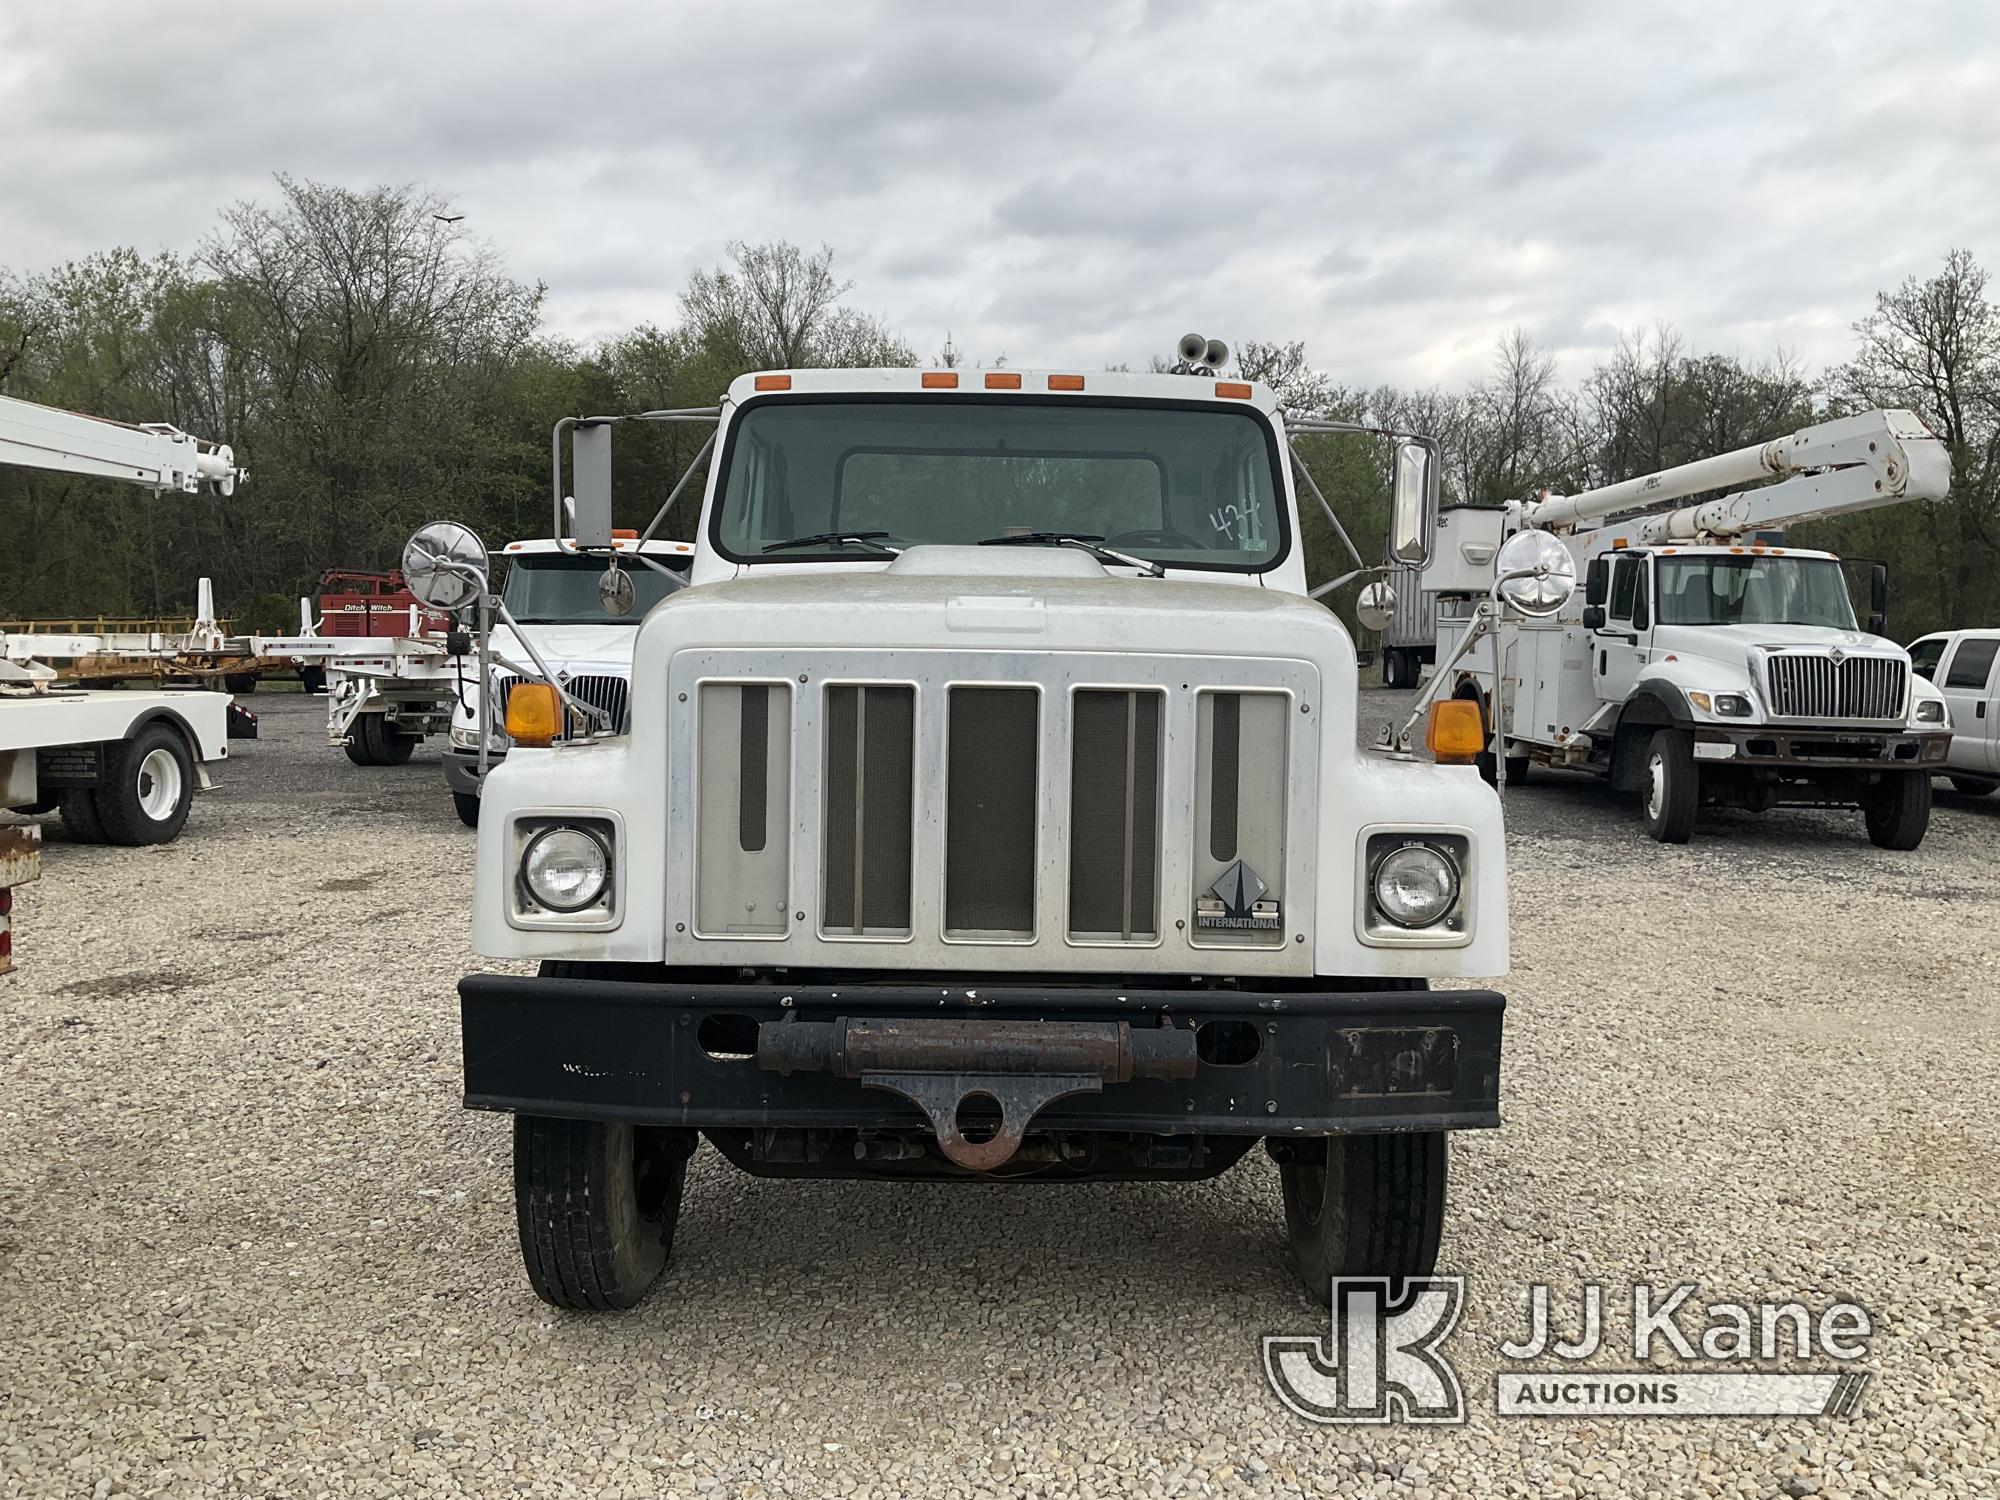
(565, 869)
(1930, 711)
(1732, 706)
(1416, 886)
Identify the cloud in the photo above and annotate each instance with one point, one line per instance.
(1394, 184)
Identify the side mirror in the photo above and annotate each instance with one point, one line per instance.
(1593, 617)
(1411, 505)
(1597, 581)
(1878, 624)
(615, 591)
(1534, 574)
(1878, 591)
(590, 478)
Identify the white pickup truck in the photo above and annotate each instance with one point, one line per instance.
(1959, 663)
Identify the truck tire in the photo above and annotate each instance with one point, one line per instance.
(1395, 668)
(312, 679)
(1669, 786)
(81, 825)
(240, 683)
(467, 804)
(145, 787)
(596, 1205)
(374, 741)
(1899, 814)
(1374, 1208)
(1972, 786)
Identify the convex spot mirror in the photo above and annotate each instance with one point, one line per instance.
(1375, 606)
(444, 564)
(1543, 573)
(614, 591)
(1410, 506)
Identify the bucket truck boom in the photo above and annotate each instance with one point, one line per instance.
(1701, 665)
(121, 766)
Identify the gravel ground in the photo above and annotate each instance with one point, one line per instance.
(249, 1243)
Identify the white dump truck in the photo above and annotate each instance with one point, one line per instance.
(1703, 664)
(989, 809)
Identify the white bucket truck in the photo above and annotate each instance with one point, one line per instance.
(989, 809)
(1701, 664)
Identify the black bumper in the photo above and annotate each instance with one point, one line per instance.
(461, 768)
(876, 1057)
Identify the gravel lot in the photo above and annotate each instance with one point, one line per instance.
(250, 1244)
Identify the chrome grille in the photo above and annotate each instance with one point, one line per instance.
(611, 694)
(1812, 685)
(1114, 830)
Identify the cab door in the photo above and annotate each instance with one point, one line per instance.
(1619, 646)
(1966, 680)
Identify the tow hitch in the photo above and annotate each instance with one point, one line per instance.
(938, 1065)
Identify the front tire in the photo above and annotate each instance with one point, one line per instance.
(146, 787)
(1670, 786)
(1375, 1207)
(467, 806)
(1900, 813)
(595, 1204)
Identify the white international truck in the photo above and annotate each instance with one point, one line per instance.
(121, 766)
(551, 595)
(1702, 664)
(989, 809)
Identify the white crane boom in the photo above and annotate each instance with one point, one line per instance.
(154, 455)
(1831, 468)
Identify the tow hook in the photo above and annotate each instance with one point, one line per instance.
(1022, 1066)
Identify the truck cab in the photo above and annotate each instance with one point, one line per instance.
(1960, 664)
(988, 809)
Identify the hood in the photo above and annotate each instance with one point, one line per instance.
(1733, 643)
(608, 646)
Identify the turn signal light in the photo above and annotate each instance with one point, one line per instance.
(1456, 734)
(534, 714)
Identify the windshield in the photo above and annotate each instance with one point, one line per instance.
(1189, 487)
(563, 591)
(1753, 590)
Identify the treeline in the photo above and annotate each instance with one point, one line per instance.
(376, 367)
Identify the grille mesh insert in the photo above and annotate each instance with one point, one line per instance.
(869, 747)
(1115, 814)
(992, 781)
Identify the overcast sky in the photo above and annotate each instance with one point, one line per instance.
(1077, 183)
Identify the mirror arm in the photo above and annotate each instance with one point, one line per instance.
(1348, 577)
(584, 710)
(1299, 464)
(661, 514)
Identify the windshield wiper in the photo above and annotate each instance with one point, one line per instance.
(1084, 542)
(837, 539)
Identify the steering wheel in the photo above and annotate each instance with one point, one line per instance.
(1154, 539)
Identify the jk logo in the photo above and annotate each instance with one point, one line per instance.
(1380, 1361)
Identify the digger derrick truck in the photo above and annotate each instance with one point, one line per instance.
(1703, 663)
(989, 809)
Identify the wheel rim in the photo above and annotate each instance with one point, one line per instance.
(159, 784)
(1656, 785)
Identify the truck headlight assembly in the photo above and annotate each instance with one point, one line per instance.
(1930, 711)
(1413, 889)
(1732, 706)
(565, 869)
(1415, 885)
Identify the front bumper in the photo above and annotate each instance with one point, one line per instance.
(1830, 748)
(1052, 1060)
(461, 768)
